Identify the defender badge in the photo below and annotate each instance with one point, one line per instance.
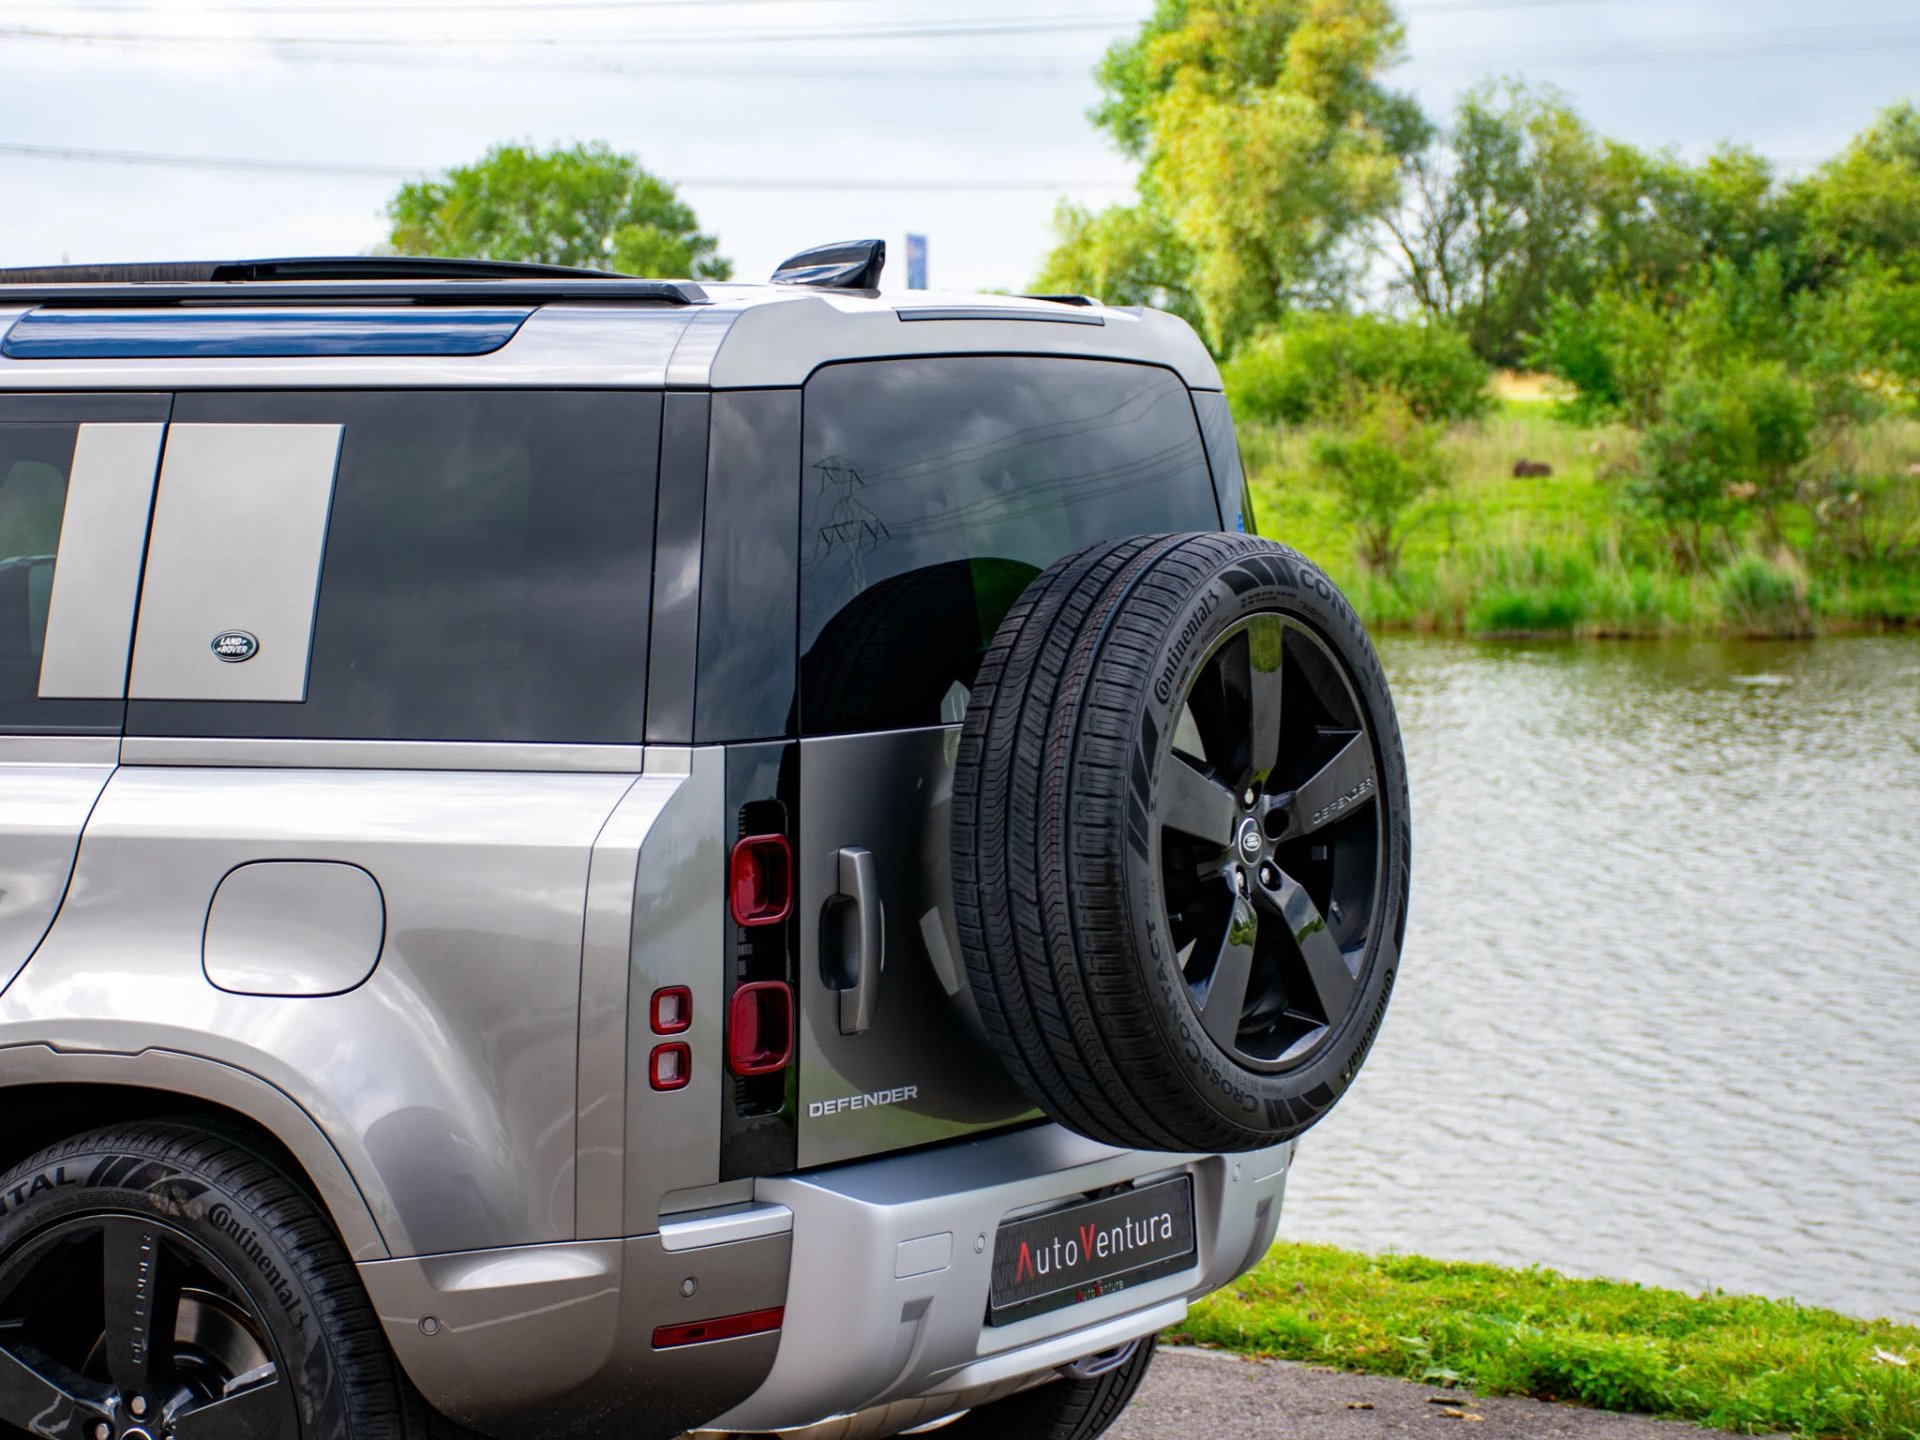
(233, 646)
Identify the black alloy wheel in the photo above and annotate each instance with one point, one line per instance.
(118, 1327)
(1271, 842)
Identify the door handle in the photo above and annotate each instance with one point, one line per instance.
(855, 926)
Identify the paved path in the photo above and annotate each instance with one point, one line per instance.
(1208, 1396)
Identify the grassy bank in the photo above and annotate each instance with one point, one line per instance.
(1736, 1363)
(1567, 553)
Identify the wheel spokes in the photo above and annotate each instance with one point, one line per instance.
(260, 1410)
(1226, 997)
(1331, 792)
(1327, 971)
(1265, 650)
(134, 1309)
(1195, 805)
(41, 1397)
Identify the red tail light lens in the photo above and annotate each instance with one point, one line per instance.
(760, 1028)
(727, 1327)
(760, 880)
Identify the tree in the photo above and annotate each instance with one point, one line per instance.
(1496, 220)
(1267, 142)
(1379, 467)
(583, 205)
(1125, 255)
(1864, 205)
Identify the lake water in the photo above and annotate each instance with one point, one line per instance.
(1659, 1017)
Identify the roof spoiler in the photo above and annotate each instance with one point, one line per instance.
(847, 265)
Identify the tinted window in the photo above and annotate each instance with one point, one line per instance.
(486, 574)
(34, 464)
(933, 491)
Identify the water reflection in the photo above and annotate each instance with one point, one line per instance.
(1660, 1013)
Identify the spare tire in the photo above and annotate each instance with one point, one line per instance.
(1181, 842)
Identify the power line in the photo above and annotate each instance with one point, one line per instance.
(371, 170)
(929, 30)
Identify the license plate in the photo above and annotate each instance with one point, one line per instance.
(1095, 1248)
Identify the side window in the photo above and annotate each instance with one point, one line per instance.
(483, 560)
(1223, 449)
(34, 461)
(933, 491)
(72, 523)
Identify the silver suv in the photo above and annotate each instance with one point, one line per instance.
(587, 856)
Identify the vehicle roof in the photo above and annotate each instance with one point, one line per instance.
(729, 337)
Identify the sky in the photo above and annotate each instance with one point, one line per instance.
(786, 123)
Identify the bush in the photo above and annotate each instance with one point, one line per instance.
(1379, 470)
(1725, 444)
(1323, 366)
(1764, 595)
(1615, 351)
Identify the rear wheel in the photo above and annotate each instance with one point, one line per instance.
(1079, 1406)
(160, 1283)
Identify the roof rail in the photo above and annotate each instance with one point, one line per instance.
(394, 279)
(1084, 300)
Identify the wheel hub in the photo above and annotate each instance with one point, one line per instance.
(1270, 842)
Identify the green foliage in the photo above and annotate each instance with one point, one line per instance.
(1380, 467)
(1314, 366)
(1730, 1362)
(582, 205)
(1492, 227)
(1725, 444)
(1124, 255)
(1570, 554)
(1765, 595)
(1268, 143)
(1615, 351)
(1864, 206)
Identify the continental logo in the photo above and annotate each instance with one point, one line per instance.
(46, 1180)
(228, 1224)
(1183, 642)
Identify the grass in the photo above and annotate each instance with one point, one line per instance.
(1567, 554)
(1732, 1362)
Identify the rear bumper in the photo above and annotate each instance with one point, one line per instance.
(883, 1268)
(892, 1259)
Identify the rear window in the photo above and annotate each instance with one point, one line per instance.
(933, 491)
(485, 570)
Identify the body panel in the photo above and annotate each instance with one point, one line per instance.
(48, 786)
(889, 794)
(447, 1080)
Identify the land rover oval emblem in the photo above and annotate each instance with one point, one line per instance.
(233, 646)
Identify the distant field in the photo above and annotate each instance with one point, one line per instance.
(1566, 553)
(1731, 1362)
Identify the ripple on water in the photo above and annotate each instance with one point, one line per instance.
(1660, 1013)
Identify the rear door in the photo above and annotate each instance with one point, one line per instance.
(76, 480)
(932, 492)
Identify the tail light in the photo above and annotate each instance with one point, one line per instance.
(760, 880)
(760, 1028)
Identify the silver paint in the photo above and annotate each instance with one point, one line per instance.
(560, 346)
(447, 1081)
(48, 784)
(238, 528)
(96, 578)
(858, 1335)
(293, 927)
(388, 754)
(679, 934)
